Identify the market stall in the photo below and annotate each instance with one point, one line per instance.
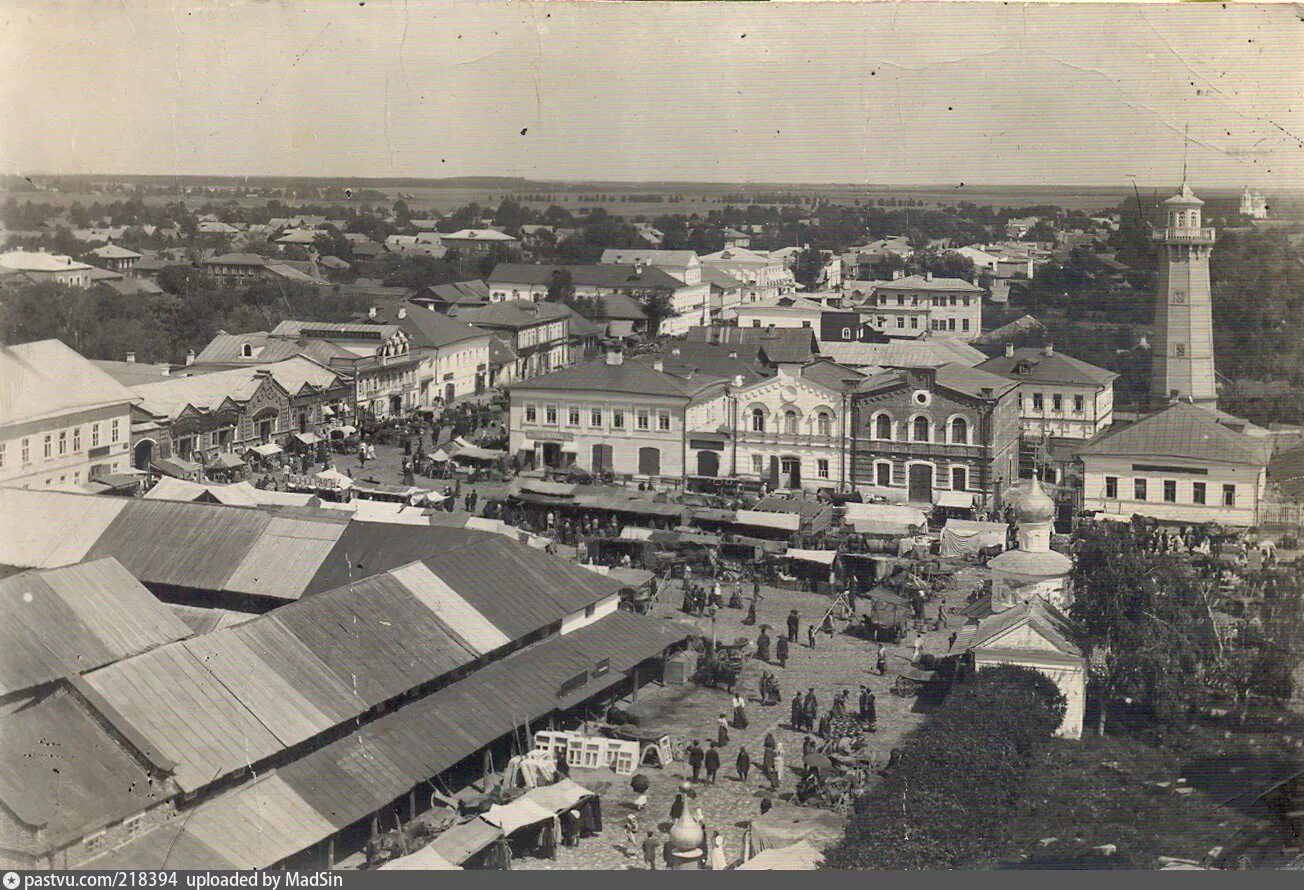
(473, 844)
(967, 538)
(786, 825)
(800, 856)
(425, 859)
(812, 569)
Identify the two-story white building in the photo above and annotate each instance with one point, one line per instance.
(1182, 463)
(455, 355)
(538, 334)
(792, 429)
(1059, 396)
(791, 311)
(39, 267)
(63, 421)
(946, 307)
(764, 277)
(625, 416)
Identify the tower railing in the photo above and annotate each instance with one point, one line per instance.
(1184, 235)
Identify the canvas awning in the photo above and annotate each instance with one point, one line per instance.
(560, 796)
(823, 557)
(226, 461)
(307, 438)
(893, 513)
(963, 537)
(425, 859)
(474, 452)
(552, 489)
(335, 477)
(175, 466)
(800, 856)
(636, 533)
(516, 815)
(955, 499)
(790, 522)
(461, 842)
(268, 450)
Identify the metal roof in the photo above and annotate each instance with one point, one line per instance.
(174, 702)
(470, 626)
(187, 545)
(46, 529)
(66, 774)
(59, 622)
(35, 383)
(168, 846)
(285, 557)
(1182, 431)
(270, 697)
(258, 824)
(369, 548)
(349, 779)
(287, 655)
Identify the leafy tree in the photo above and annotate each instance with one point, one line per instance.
(561, 287)
(807, 266)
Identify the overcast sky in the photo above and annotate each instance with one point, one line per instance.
(933, 93)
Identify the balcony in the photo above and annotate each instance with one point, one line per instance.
(896, 447)
(793, 440)
(1183, 236)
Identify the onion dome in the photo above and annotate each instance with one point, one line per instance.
(1032, 504)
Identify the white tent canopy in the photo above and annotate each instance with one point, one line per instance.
(425, 859)
(823, 557)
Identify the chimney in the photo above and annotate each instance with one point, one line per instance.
(638, 267)
(898, 273)
(928, 276)
(1048, 349)
(1009, 350)
(986, 392)
(615, 357)
(402, 312)
(131, 357)
(739, 380)
(165, 370)
(190, 357)
(371, 312)
(658, 365)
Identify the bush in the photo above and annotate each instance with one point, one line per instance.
(946, 802)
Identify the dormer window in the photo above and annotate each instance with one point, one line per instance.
(246, 350)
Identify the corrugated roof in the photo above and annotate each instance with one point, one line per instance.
(60, 622)
(196, 546)
(173, 701)
(64, 773)
(1182, 431)
(915, 354)
(285, 557)
(270, 697)
(47, 529)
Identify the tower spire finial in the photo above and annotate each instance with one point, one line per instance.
(1186, 149)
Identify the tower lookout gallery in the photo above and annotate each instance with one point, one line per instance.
(1182, 365)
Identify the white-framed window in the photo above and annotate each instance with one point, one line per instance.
(1198, 492)
(1038, 401)
(1229, 496)
(1079, 403)
(95, 435)
(758, 464)
(822, 468)
(63, 442)
(48, 440)
(76, 439)
(1139, 489)
(595, 417)
(663, 421)
(882, 473)
(959, 431)
(824, 423)
(531, 413)
(964, 324)
(1111, 487)
(1170, 491)
(883, 426)
(3, 448)
(617, 419)
(790, 422)
(959, 479)
(920, 429)
(642, 419)
(1057, 403)
(114, 431)
(758, 420)
(572, 416)
(27, 451)
(550, 415)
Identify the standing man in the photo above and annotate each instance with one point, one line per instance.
(781, 651)
(798, 719)
(810, 635)
(794, 624)
(744, 763)
(811, 709)
(712, 763)
(650, 850)
(695, 758)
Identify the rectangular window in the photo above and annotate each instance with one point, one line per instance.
(1197, 493)
(1111, 487)
(805, 324)
(1139, 489)
(76, 440)
(3, 446)
(595, 417)
(27, 451)
(573, 416)
(113, 431)
(1179, 349)
(822, 468)
(950, 324)
(756, 322)
(914, 321)
(758, 464)
(63, 442)
(531, 414)
(901, 321)
(883, 475)
(663, 421)
(1078, 404)
(1229, 495)
(959, 479)
(1057, 402)
(550, 415)
(1170, 491)
(964, 323)
(617, 419)
(48, 440)
(642, 419)
(1037, 401)
(95, 435)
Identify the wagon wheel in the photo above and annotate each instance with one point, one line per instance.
(904, 687)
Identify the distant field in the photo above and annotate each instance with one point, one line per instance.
(692, 197)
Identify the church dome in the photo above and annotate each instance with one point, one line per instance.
(1032, 504)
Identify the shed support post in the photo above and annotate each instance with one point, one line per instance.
(633, 695)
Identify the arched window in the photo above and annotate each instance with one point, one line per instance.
(824, 423)
(883, 426)
(920, 429)
(758, 420)
(790, 422)
(246, 351)
(960, 431)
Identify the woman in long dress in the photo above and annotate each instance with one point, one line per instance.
(717, 859)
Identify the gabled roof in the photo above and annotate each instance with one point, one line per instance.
(478, 235)
(514, 314)
(630, 376)
(953, 376)
(791, 302)
(721, 279)
(115, 252)
(779, 345)
(207, 392)
(227, 349)
(1034, 366)
(236, 259)
(459, 292)
(920, 282)
(424, 326)
(47, 379)
(1044, 618)
(500, 352)
(919, 354)
(712, 360)
(609, 275)
(1182, 431)
(619, 306)
(831, 375)
(133, 373)
(626, 255)
(331, 330)
(38, 261)
(739, 255)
